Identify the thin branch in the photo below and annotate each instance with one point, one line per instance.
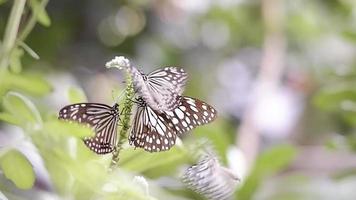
(31, 23)
(269, 76)
(11, 33)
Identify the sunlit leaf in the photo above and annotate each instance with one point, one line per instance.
(40, 13)
(22, 108)
(61, 127)
(269, 163)
(141, 161)
(18, 169)
(76, 95)
(32, 84)
(9, 118)
(331, 98)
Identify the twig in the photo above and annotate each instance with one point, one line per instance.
(31, 23)
(11, 33)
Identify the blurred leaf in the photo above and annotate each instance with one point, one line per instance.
(140, 161)
(268, 163)
(2, 1)
(40, 13)
(15, 60)
(22, 109)
(18, 169)
(9, 118)
(32, 84)
(28, 49)
(331, 97)
(61, 127)
(76, 95)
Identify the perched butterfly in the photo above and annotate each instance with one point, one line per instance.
(210, 179)
(161, 87)
(102, 118)
(157, 131)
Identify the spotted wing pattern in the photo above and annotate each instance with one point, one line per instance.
(151, 130)
(161, 87)
(191, 113)
(210, 179)
(155, 131)
(101, 118)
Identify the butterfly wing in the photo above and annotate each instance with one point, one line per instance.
(161, 87)
(152, 130)
(210, 179)
(101, 118)
(191, 113)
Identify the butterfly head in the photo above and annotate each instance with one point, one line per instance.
(115, 109)
(140, 102)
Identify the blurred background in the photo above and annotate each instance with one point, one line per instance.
(282, 75)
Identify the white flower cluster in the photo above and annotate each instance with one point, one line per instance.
(118, 62)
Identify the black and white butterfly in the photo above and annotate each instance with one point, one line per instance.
(157, 131)
(210, 179)
(103, 119)
(160, 88)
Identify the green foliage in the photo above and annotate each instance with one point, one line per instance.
(31, 84)
(40, 12)
(76, 95)
(22, 109)
(269, 162)
(18, 169)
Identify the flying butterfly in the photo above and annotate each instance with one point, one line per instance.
(161, 87)
(156, 131)
(210, 179)
(102, 118)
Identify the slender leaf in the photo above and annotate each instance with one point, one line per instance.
(40, 13)
(22, 108)
(270, 162)
(18, 169)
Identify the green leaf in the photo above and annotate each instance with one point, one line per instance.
(40, 13)
(18, 169)
(9, 118)
(269, 163)
(76, 95)
(60, 127)
(331, 97)
(22, 108)
(32, 84)
(1, 2)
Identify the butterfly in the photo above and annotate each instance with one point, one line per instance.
(160, 88)
(102, 118)
(156, 131)
(209, 178)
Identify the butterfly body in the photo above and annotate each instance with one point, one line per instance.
(161, 87)
(103, 119)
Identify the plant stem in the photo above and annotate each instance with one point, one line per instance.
(31, 23)
(11, 31)
(125, 120)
